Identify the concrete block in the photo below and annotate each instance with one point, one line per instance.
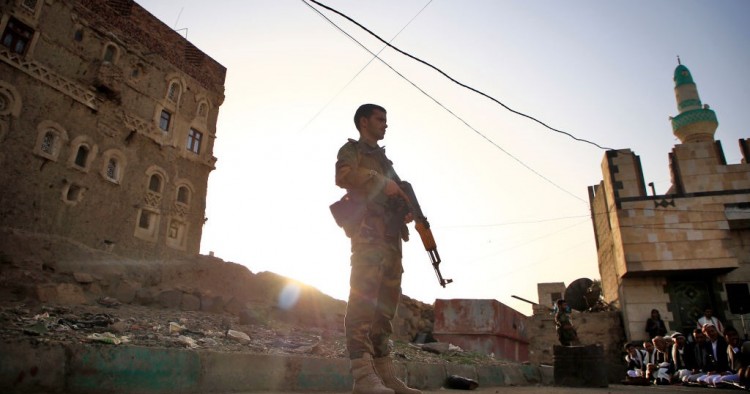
(514, 375)
(26, 367)
(120, 369)
(548, 374)
(425, 376)
(308, 374)
(465, 370)
(491, 375)
(234, 372)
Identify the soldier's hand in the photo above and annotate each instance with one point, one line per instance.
(392, 189)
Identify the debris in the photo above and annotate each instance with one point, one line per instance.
(175, 328)
(107, 337)
(238, 336)
(187, 341)
(108, 302)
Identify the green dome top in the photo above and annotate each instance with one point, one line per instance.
(682, 76)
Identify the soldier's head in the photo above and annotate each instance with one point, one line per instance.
(708, 313)
(655, 314)
(648, 346)
(370, 118)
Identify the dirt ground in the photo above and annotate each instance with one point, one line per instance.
(52, 290)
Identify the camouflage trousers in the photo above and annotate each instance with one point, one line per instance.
(374, 293)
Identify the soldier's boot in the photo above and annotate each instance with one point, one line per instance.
(384, 368)
(366, 381)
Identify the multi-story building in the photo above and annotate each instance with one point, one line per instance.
(107, 126)
(687, 249)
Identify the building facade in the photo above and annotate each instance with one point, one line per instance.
(687, 249)
(107, 126)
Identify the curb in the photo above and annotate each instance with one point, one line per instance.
(95, 368)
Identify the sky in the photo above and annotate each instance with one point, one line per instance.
(507, 198)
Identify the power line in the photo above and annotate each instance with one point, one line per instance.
(363, 68)
(446, 108)
(457, 82)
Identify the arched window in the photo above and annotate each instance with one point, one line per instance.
(110, 53)
(202, 110)
(173, 93)
(48, 142)
(82, 156)
(154, 183)
(183, 195)
(114, 166)
(113, 169)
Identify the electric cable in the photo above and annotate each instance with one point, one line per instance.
(362, 69)
(445, 108)
(455, 81)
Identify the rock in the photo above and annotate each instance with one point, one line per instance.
(238, 336)
(213, 304)
(190, 303)
(144, 296)
(170, 299)
(436, 347)
(126, 291)
(83, 278)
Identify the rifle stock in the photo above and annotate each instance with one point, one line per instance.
(423, 228)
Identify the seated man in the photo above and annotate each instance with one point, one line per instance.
(634, 358)
(697, 356)
(662, 368)
(733, 355)
(718, 362)
(681, 357)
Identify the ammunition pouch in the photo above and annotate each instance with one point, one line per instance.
(348, 213)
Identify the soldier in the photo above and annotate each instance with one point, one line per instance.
(376, 233)
(565, 330)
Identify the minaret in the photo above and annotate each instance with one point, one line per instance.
(695, 123)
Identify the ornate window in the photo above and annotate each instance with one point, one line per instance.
(202, 110)
(50, 139)
(194, 141)
(17, 36)
(173, 93)
(48, 142)
(114, 166)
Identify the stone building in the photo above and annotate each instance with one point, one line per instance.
(687, 249)
(107, 126)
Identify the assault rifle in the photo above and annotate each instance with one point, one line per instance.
(423, 228)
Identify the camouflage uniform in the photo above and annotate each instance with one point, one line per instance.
(375, 282)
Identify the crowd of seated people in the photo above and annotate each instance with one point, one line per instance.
(709, 359)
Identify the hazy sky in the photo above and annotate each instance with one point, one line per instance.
(507, 198)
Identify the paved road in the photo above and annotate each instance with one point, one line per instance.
(568, 390)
